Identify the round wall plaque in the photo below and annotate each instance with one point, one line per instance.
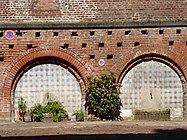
(101, 62)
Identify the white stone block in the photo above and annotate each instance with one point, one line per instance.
(126, 113)
(176, 113)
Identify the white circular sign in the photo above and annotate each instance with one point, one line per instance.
(101, 62)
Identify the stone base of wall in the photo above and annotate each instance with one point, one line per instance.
(5, 119)
(152, 115)
(171, 114)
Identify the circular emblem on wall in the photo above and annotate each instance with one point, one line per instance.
(9, 34)
(101, 62)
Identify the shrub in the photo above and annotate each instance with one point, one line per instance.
(56, 108)
(37, 113)
(102, 97)
(22, 108)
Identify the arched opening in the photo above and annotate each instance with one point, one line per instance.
(49, 81)
(40, 56)
(152, 85)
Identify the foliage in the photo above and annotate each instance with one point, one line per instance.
(22, 108)
(102, 97)
(56, 108)
(79, 115)
(37, 113)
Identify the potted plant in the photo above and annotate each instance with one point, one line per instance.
(22, 108)
(79, 115)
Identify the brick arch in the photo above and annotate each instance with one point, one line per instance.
(75, 64)
(171, 59)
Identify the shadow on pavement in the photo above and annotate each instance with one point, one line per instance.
(177, 134)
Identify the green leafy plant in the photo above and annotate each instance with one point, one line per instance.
(22, 108)
(102, 97)
(56, 108)
(37, 113)
(79, 115)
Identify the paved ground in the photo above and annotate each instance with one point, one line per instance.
(99, 130)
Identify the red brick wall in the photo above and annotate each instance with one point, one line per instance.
(79, 49)
(81, 52)
(92, 10)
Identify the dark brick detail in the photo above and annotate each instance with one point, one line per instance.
(161, 32)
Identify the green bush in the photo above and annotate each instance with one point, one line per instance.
(37, 113)
(56, 108)
(102, 97)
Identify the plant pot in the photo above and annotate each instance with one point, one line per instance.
(48, 117)
(79, 117)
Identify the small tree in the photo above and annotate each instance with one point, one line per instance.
(22, 108)
(102, 97)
